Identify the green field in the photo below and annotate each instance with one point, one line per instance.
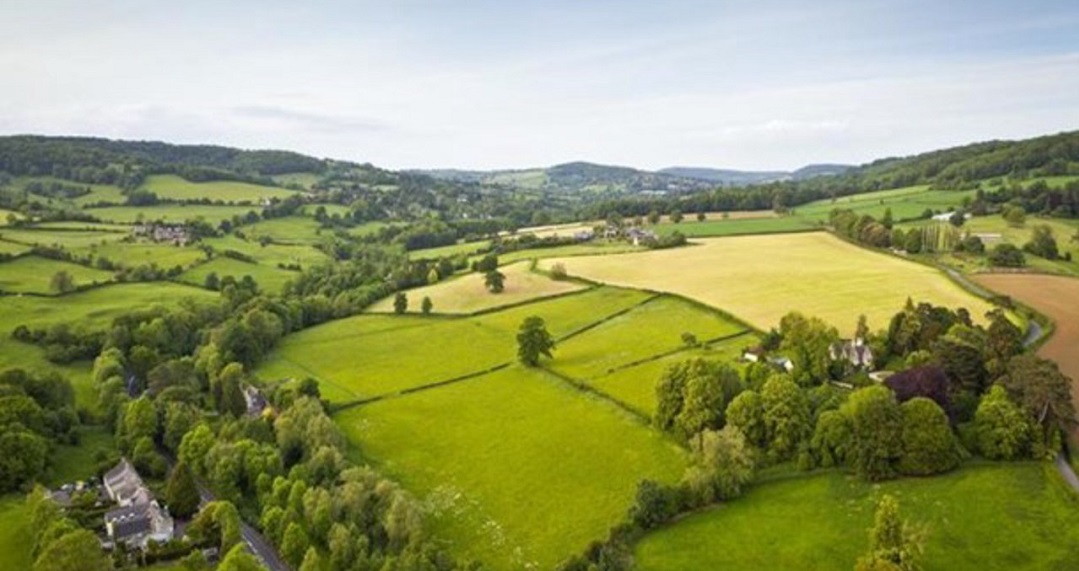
(468, 293)
(287, 230)
(172, 187)
(5, 213)
(762, 278)
(74, 463)
(59, 238)
(13, 248)
(648, 330)
(906, 203)
(463, 248)
(371, 355)
(16, 537)
(989, 517)
(124, 229)
(519, 469)
(98, 192)
(635, 386)
(170, 213)
(271, 254)
(304, 179)
(32, 274)
(736, 226)
(129, 255)
(594, 248)
(268, 278)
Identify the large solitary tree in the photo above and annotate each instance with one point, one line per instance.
(533, 340)
(494, 281)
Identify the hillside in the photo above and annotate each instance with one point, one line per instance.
(581, 177)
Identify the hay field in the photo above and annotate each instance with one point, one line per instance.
(736, 226)
(468, 294)
(520, 470)
(761, 278)
(986, 517)
(1057, 297)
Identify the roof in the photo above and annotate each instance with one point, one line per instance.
(124, 484)
(130, 521)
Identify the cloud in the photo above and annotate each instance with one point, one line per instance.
(303, 120)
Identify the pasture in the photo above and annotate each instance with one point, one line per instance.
(462, 248)
(171, 213)
(984, 517)
(373, 355)
(268, 278)
(59, 238)
(271, 254)
(1058, 298)
(12, 248)
(1063, 231)
(762, 278)
(519, 469)
(593, 248)
(172, 187)
(16, 537)
(287, 230)
(133, 254)
(33, 274)
(468, 294)
(907, 203)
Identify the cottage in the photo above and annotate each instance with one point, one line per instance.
(256, 403)
(855, 352)
(124, 486)
(137, 525)
(638, 235)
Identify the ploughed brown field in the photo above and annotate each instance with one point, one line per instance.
(1057, 297)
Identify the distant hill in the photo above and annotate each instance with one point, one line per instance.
(729, 177)
(580, 176)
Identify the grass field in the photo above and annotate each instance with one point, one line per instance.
(593, 248)
(87, 226)
(1006, 517)
(519, 469)
(463, 248)
(648, 330)
(172, 187)
(59, 238)
(74, 463)
(16, 537)
(287, 230)
(906, 203)
(13, 248)
(761, 278)
(1063, 230)
(271, 254)
(98, 192)
(370, 355)
(468, 294)
(32, 274)
(736, 226)
(268, 278)
(1056, 297)
(134, 254)
(170, 213)
(304, 179)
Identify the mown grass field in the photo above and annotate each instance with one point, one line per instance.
(173, 213)
(129, 255)
(74, 463)
(123, 229)
(172, 187)
(13, 248)
(463, 248)
(371, 355)
(593, 248)
(761, 278)
(33, 274)
(268, 278)
(520, 469)
(468, 294)
(287, 230)
(16, 537)
(986, 517)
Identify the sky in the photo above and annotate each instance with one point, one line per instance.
(491, 84)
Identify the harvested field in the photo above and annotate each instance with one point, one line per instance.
(468, 294)
(761, 278)
(1057, 297)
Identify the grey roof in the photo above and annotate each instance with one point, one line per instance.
(130, 521)
(124, 484)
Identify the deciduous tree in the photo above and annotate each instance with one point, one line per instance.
(533, 340)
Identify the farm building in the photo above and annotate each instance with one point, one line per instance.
(256, 403)
(124, 485)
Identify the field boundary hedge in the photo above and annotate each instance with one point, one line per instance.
(385, 396)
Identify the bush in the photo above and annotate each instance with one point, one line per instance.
(1007, 256)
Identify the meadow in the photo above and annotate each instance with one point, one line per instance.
(762, 278)
(131, 254)
(16, 537)
(286, 230)
(462, 248)
(59, 238)
(983, 517)
(12, 248)
(593, 248)
(1058, 298)
(172, 187)
(376, 355)
(468, 293)
(270, 254)
(736, 226)
(906, 203)
(519, 469)
(268, 278)
(33, 274)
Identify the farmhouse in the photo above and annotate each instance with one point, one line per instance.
(855, 352)
(139, 519)
(256, 403)
(638, 235)
(176, 234)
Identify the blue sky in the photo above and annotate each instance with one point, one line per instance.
(500, 84)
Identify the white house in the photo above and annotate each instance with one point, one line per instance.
(139, 519)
